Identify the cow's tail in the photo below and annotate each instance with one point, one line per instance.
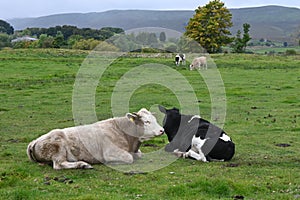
(30, 151)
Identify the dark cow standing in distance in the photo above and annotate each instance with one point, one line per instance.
(192, 136)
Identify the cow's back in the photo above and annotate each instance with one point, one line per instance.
(77, 143)
(43, 148)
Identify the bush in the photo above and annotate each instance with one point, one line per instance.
(34, 44)
(45, 41)
(172, 48)
(105, 46)
(290, 52)
(86, 44)
(4, 40)
(22, 44)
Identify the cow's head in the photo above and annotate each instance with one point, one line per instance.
(171, 121)
(191, 67)
(145, 120)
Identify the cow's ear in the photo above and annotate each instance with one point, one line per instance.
(162, 109)
(133, 117)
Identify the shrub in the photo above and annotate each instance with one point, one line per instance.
(22, 44)
(45, 41)
(105, 46)
(172, 48)
(86, 44)
(4, 40)
(290, 52)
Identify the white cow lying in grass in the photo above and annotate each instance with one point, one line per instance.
(198, 63)
(115, 140)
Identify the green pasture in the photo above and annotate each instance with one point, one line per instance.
(274, 50)
(262, 117)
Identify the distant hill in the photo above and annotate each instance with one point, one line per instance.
(271, 22)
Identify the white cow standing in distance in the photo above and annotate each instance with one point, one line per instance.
(115, 140)
(198, 63)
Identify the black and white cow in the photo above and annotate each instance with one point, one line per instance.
(192, 136)
(180, 58)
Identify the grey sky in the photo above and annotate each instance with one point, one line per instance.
(34, 8)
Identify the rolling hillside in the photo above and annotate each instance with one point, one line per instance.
(271, 22)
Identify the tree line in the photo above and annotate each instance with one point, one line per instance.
(209, 27)
(56, 37)
(73, 37)
(68, 31)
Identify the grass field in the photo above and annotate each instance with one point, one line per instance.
(263, 114)
(273, 50)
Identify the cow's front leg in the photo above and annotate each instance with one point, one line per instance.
(137, 155)
(71, 165)
(198, 156)
(116, 155)
(199, 66)
(178, 153)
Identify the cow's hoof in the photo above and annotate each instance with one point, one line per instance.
(87, 167)
(137, 155)
(83, 165)
(185, 155)
(178, 153)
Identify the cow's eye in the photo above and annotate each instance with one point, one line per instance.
(147, 122)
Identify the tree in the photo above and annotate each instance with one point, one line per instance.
(58, 40)
(171, 48)
(45, 41)
(86, 44)
(246, 35)
(107, 32)
(162, 37)
(152, 39)
(239, 44)
(6, 28)
(73, 39)
(210, 26)
(67, 31)
(4, 40)
(124, 42)
(142, 38)
(186, 44)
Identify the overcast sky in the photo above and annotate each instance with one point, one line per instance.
(35, 8)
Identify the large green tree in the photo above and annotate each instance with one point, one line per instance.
(210, 26)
